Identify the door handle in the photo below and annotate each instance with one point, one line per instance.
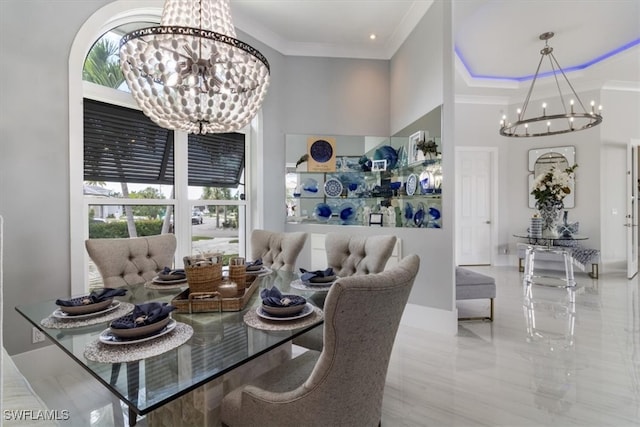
(487, 222)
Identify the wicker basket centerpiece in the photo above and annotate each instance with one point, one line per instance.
(204, 272)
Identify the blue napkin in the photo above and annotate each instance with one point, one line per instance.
(177, 273)
(308, 275)
(274, 298)
(255, 265)
(148, 313)
(94, 297)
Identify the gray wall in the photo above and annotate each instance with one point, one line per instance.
(34, 152)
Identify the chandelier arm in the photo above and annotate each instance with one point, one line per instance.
(569, 83)
(555, 77)
(533, 83)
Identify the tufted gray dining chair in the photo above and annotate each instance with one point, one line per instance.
(131, 261)
(277, 250)
(343, 385)
(350, 255)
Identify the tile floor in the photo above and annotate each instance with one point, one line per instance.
(542, 362)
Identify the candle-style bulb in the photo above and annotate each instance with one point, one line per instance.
(593, 107)
(571, 103)
(544, 108)
(548, 126)
(571, 123)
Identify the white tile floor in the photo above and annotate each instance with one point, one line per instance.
(539, 364)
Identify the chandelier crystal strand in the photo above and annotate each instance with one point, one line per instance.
(191, 73)
(551, 124)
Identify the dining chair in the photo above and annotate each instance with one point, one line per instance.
(343, 385)
(278, 251)
(131, 261)
(350, 255)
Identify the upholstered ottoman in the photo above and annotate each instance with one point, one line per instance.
(472, 285)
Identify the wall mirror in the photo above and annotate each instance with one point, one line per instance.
(541, 160)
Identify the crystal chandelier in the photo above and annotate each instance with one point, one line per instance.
(574, 119)
(191, 73)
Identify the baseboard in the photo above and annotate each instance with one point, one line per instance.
(430, 319)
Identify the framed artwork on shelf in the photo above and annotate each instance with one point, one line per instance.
(415, 154)
(321, 153)
(378, 165)
(375, 219)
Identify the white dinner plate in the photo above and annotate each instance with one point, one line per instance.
(106, 337)
(315, 287)
(159, 281)
(307, 310)
(262, 272)
(59, 314)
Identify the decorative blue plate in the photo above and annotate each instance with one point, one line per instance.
(411, 185)
(418, 218)
(434, 213)
(408, 211)
(387, 152)
(323, 212)
(347, 212)
(426, 182)
(333, 187)
(310, 186)
(321, 151)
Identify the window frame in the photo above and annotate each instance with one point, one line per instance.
(105, 19)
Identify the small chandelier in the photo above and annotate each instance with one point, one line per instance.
(575, 119)
(191, 73)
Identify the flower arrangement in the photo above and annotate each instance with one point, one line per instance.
(553, 186)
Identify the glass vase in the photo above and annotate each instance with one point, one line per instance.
(550, 212)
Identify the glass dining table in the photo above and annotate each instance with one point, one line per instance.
(222, 345)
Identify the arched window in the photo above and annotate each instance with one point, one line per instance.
(130, 177)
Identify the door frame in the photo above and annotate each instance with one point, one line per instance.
(631, 214)
(493, 154)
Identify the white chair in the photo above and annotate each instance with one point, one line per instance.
(344, 384)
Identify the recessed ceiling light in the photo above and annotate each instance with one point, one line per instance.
(372, 36)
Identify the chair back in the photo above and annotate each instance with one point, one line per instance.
(349, 255)
(131, 261)
(277, 250)
(362, 315)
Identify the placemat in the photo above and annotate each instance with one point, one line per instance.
(106, 353)
(252, 319)
(54, 322)
(157, 286)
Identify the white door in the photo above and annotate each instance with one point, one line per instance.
(631, 219)
(474, 202)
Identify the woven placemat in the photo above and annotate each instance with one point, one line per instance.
(56, 323)
(163, 287)
(252, 319)
(97, 351)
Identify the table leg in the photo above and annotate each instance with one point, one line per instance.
(133, 387)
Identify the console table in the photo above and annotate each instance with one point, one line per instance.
(546, 249)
